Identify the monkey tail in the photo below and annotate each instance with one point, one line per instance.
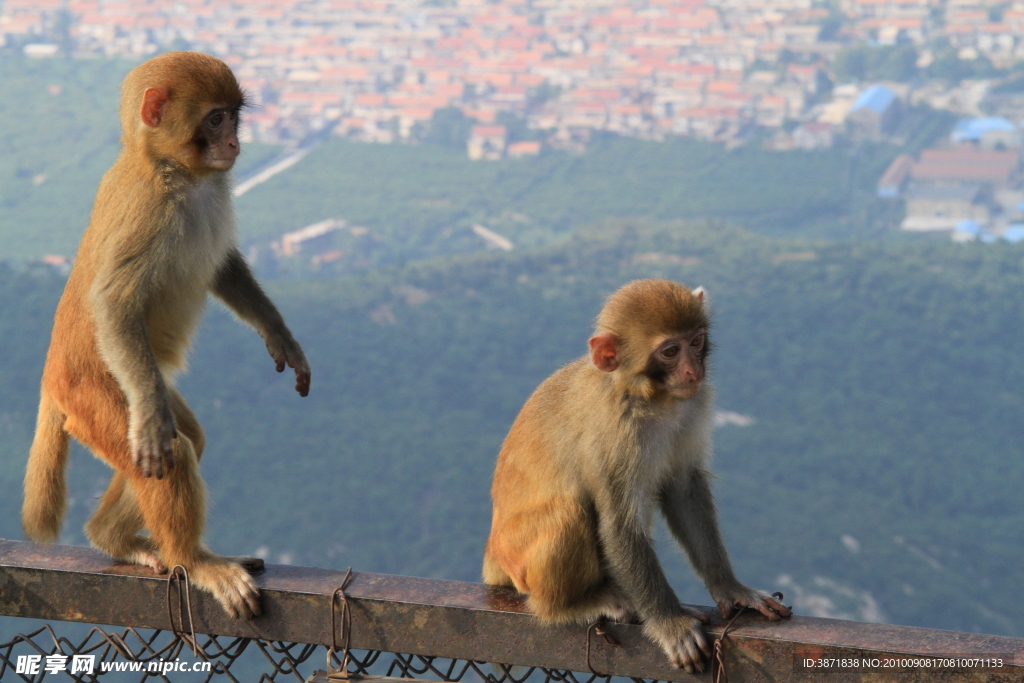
(45, 488)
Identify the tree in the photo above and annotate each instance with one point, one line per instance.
(879, 63)
(449, 127)
(948, 65)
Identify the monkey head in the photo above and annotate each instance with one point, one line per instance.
(183, 107)
(652, 336)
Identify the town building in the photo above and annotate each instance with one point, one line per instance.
(874, 113)
(931, 208)
(989, 132)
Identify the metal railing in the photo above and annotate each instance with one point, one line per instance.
(422, 628)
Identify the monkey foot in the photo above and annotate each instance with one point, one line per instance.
(147, 558)
(682, 640)
(231, 584)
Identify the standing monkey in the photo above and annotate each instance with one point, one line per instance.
(160, 237)
(597, 447)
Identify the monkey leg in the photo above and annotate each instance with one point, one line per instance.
(604, 602)
(115, 527)
(173, 509)
(560, 567)
(187, 424)
(98, 418)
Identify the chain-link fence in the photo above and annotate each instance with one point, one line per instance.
(145, 655)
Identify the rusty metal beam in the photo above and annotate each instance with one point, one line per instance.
(472, 621)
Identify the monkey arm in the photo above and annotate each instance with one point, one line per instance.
(117, 298)
(632, 561)
(689, 509)
(634, 566)
(236, 286)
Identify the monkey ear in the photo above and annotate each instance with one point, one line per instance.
(699, 293)
(154, 102)
(604, 352)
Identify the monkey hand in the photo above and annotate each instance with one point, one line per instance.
(742, 596)
(286, 351)
(682, 640)
(150, 434)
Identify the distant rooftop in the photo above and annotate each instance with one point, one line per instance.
(877, 98)
(972, 129)
(966, 164)
(970, 156)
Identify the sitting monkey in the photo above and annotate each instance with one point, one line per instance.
(598, 446)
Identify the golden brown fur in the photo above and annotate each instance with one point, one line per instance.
(161, 236)
(596, 449)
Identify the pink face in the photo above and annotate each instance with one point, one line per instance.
(677, 363)
(217, 138)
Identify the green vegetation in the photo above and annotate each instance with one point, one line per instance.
(449, 127)
(899, 63)
(58, 135)
(876, 63)
(948, 65)
(421, 201)
(884, 379)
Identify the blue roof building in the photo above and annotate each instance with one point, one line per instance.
(973, 130)
(877, 98)
(874, 113)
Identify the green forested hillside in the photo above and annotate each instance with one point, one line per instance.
(58, 134)
(880, 479)
(424, 199)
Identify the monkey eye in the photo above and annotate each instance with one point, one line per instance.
(217, 119)
(670, 351)
(698, 341)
